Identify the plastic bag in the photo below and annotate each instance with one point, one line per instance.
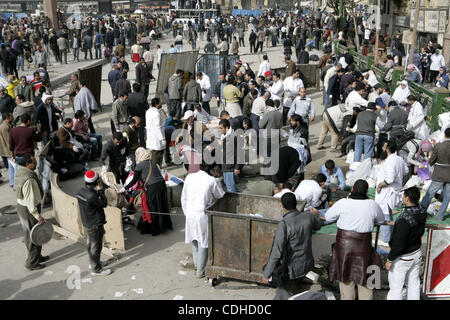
(424, 173)
(362, 172)
(350, 156)
(414, 181)
(444, 121)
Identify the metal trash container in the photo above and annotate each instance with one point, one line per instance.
(240, 242)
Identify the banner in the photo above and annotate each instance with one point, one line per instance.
(436, 281)
(431, 21)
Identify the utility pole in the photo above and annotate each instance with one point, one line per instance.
(377, 27)
(341, 14)
(414, 35)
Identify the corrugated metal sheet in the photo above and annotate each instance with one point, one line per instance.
(170, 62)
(93, 78)
(213, 65)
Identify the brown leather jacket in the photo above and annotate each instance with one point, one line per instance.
(63, 138)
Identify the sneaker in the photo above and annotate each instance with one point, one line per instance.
(103, 264)
(44, 258)
(321, 148)
(103, 272)
(38, 266)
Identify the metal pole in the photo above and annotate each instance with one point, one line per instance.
(414, 35)
(377, 26)
(341, 14)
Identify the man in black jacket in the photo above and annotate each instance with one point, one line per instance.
(46, 116)
(137, 106)
(333, 88)
(286, 267)
(405, 256)
(397, 120)
(232, 156)
(143, 76)
(7, 103)
(117, 151)
(92, 201)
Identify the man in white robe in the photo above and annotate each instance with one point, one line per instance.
(416, 119)
(389, 184)
(200, 191)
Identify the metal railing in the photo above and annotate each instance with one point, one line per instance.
(433, 100)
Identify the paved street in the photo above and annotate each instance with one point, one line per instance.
(150, 268)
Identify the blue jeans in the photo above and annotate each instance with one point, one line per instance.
(20, 62)
(228, 178)
(386, 231)
(98, 51)
(435, 186)
(96, 141)
(200, 257)
(363, 142)
(322, 214)
(325, 99)
(11, 172)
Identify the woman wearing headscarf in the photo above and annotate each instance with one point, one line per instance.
(401, 93)
(413, 74)
(442, 78)
(154, 198)
(371, 78)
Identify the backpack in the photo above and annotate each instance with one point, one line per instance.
(107, 52)
(402, 140)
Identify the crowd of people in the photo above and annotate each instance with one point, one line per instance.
(360, 114)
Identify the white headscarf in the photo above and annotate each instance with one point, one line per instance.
(400, 94)
(46, 96)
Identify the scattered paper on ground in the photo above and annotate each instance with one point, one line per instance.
(86, 280)
(178, 297)
(138, 290)
(48, 273)
(183, 273)
(133, 277)
(119, 294)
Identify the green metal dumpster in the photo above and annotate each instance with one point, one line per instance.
(240, 242)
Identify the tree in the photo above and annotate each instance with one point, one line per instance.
(350, 9)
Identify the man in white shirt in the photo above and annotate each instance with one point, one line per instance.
(311, 191)
(264, 66)
(205, 85)
(355, 98)
(200, 190)
(352, 252)
(258, 109)
(154, 123)
(389, 185)
(291, 87)
(281, 188)
(437, 61)
(277, 88)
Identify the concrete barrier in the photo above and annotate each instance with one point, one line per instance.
(58, 81)
(67, 214)
(310, 71)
